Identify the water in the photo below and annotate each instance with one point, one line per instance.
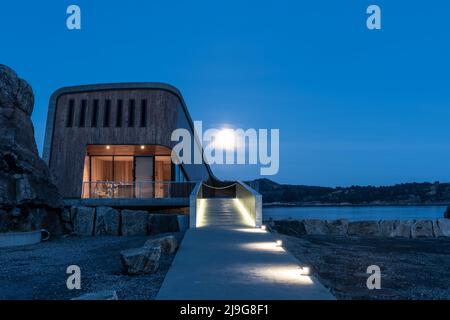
(355, 213)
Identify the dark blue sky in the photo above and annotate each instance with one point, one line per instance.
(353, 106)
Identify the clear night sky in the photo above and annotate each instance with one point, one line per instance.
(353, 106)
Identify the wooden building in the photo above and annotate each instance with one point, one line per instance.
(114, 141)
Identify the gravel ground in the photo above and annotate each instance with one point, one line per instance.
(39, 271)
(410, 268)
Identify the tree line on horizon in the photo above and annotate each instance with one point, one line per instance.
(405, 193)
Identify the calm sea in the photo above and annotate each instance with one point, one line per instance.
(355, 213)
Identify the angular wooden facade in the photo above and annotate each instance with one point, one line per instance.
(125, 114)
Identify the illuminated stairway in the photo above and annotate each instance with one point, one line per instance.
(221, 212)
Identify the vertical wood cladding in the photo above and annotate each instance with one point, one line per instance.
(97, 112)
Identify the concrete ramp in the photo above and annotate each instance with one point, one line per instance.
(236, 263)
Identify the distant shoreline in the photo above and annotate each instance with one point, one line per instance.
(320, 205)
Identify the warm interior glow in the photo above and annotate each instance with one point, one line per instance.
(225, 139)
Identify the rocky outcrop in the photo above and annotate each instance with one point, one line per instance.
(83, 220)
(422, 229)
(364, 228)
(107, 221)
(317, 227)
(168, 244)
(384, 228)
(441, 228)
(28, 198)
(141, 260)
(337, 227)
(134, 223)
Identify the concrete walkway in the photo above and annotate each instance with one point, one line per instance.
(236, 263)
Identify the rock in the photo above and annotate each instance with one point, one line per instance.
(441, 228)
(402, 228)
(163, 223)
(26, 185)
(422, 229)
(364, 228)
(134, 223)
(107, 221)
(387, 228)
(337, 227)
(101, 295)
(83, 220)
(168, 244)
(447, 213)
(141, 260)
(316, 227)
(289, 227)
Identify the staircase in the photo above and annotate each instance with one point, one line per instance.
(221, 212)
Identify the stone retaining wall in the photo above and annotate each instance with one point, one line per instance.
(97, 221)
(383, 228)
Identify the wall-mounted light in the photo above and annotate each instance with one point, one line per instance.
(279, 243)
(142, 147)
(108, 147)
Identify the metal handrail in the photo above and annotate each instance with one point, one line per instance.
(136, 189)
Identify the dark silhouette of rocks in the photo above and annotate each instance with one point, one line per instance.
(28, 198)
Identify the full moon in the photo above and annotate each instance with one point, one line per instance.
(225, 139)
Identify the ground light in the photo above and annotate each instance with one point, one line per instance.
(279, 243)
(263, 227)
(305, 271)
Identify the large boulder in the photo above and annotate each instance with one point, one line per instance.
(83, 220)
(141, 260)
(316, 227)
(388, 228)
(441, 228)
(289, 227)
(364, 228)
(162, 223)
(402, 228)
(29, 200)
(168, 244)
(422, 229)
(107, 221)
(134, 223)
(337, 227)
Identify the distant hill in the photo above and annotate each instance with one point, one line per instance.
(399, 194)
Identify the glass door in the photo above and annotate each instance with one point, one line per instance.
(144, 178)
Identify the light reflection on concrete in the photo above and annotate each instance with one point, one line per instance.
(264, 246)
